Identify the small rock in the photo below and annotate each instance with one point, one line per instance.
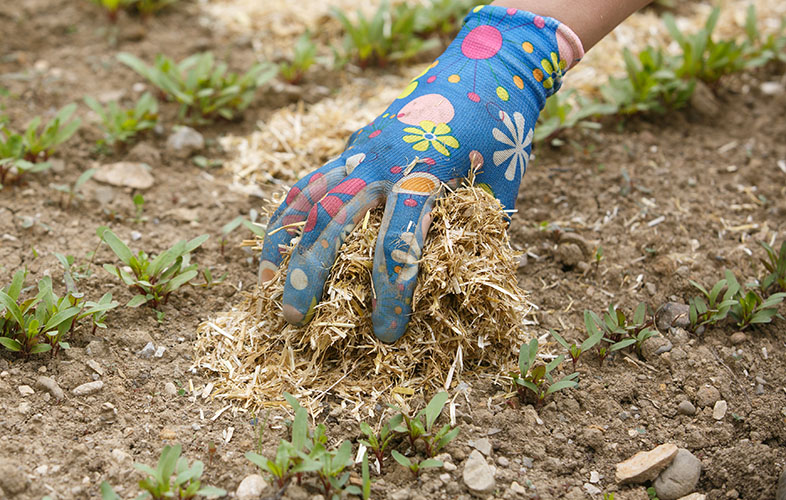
(703, 100)
(95, 367)
(88, 388)
(477, 474)
(594, 477)
(160, 352)
(695, 496)
(503, 461)
(170, 389)
(719, 410)
(483, 445)
(120, 456)
(771, 88)
(707, 395)
(136, 236)
(251, 487)
(125, 173)
(184, 141)
(679, 478)
(517, 489)
(445, 478)
(526, 462)
(592, 489)
(167, 433)
(672, 314)
(26, 390)
(145, 153)
(645, 465)
(738, 338)
(50, 386)
(24, 407)
(655, 346)
(781, 493)
(449, 466)
(402, 494)
(41, 470)
(686, 408)
(148, 350)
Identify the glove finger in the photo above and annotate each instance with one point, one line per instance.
(327, 225)
(398, 251)
(501, 173)
(295, 208)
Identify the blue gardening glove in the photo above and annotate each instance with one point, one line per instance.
(480, 100)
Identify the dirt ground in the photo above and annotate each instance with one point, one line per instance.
(671, 198)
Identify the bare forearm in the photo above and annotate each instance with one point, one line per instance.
(591, 20)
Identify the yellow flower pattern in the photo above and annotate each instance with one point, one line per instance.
(551, 73)
(431, 134)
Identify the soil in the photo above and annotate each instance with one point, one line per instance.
(669, 199)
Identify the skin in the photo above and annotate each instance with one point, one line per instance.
(591, 20)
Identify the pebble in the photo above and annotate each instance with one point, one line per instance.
(136, 236)
(594, 477)
(148, 350)
(41, 470)
(771, 88)
(526, 462)
(503, 461)
(695, 496)
(402, 494)
(251, 487)
(477, 474)
(645, 465)
(50, 386)
(672, 314)
(686, 408)
(483, 445)
(160, 352)
(781, 493)
(170, 389)
(680, 477)
(654, 347)
(517, 489)
(127, 174)
(26, 390)
(738, 338)
(592, 489)
(95, 366)
(184, 141)
(707, 396)
(719, 410)
(24, 407)
(88, 388)
(145, 153)
(445, 478)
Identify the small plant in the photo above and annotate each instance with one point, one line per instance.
(71, 192)
(749, 307)
(378, 442)
(121, 125)
(775, 264)
(43, 323)
(203, 87)
(560, 114)
(144, 7)
(172, 478)
(413, 466)
(760, 50)
(139, 208)
(537, 378)
(594, 336)
(715, 308)
(387, 36)
(155, 279)
(303, 58)
(421, 426)
(622, 331)
(113, 7)
(332, 473)
(443, 17)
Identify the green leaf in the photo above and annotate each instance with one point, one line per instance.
(211, 491)
(401, 459)
(60, 317)
(430, 463)
(10, 344)
(559, 339)
(179, 281)
(434, 408)
(10, 305)
(38, 348)
(107, 493)
(137, 300)
(300, 429)
(116, 244)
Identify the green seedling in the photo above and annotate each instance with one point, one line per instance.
(39, 145)
(139, 208)
(537, 378)
(332, 474)
(72, 273)
(71, 192)
(378, 442)
(712, 307)
(121, 125)
(761, 50)
(623, 332)
(387, 36)
(702, 57)
(560, 114)
(43, 323)
(209, 281)
(303, 58)
(155, 279)
(594, 336)
(203, 87)
(12, 163)
(749, 307)
(421, 426)
(365, 478)
(112, 7)
(172, 478)
(249, 223)
(775, 264)
(413, 466)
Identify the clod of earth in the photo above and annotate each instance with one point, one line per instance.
(645, 465)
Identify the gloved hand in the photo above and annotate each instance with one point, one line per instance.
(479, 100)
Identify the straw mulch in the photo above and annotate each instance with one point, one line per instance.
(469, 316)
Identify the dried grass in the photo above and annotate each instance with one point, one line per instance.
(470, 316)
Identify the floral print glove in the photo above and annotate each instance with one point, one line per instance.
(480, 100)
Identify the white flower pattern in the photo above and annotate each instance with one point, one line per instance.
(518, 144)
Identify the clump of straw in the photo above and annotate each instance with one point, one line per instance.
(469, 315)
